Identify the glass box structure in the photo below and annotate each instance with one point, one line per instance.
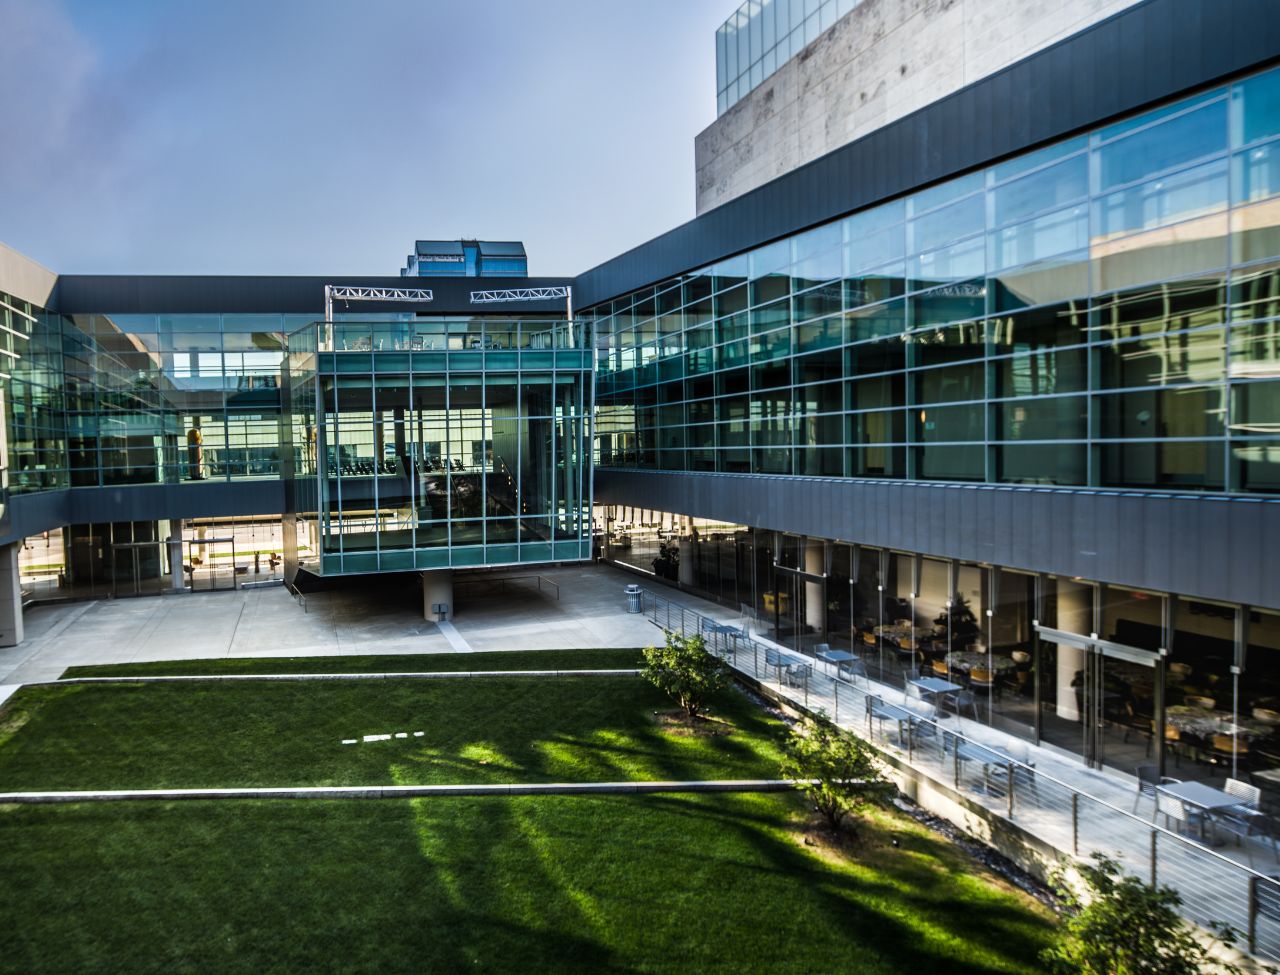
(437, 443)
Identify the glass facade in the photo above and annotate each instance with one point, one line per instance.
(438, 443)
(1215, 692)
(141, 399)
(1102, 312)
(762, 36)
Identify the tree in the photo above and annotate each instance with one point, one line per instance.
(685, 669)
(838, 771)
(1117, 925)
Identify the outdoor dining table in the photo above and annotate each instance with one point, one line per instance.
(779, 659)
(937, 687)
(837, 657)
(725, 629)
(1203, 797)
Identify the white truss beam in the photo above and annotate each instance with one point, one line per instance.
(518, 294)
(352, 293)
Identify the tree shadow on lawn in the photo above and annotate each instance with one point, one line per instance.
(338, 886)
(896, 902)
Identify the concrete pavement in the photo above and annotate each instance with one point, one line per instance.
(268, 622)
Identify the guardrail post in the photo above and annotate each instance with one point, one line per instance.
(1155, 836)
(1075, 824)
(1253, 915)
(835, 692)
(955, 755)
(1009, 770)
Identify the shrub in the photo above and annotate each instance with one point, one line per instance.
(1117, 925)
(685, 669)
(840, 772)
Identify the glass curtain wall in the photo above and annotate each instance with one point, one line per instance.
(409, 454)
(1099, 688)
(172, 398)
(1103, 312)
(762, 36)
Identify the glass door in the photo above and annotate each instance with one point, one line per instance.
(1092, 692)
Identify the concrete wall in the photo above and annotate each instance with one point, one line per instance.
(23, 278)
(880, 62)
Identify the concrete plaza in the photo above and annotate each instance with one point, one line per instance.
(386, 618)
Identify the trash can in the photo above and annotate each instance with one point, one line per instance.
(635, 599)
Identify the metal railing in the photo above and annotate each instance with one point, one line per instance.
(502, 581)
(1002, 777)
(299, 596)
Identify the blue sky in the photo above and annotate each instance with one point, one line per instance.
(324, 136)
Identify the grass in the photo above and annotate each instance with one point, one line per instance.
(596, 885)
(280, 733)
(591, 884)
(602, 659)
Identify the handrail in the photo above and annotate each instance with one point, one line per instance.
(297, 594)
(503, 580)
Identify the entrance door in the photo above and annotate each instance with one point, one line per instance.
(137, 569)
(211, 563)
(1103, 699)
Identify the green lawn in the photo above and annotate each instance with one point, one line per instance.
(604, 659)
(618, 884)
(280, 733)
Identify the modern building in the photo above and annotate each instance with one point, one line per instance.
(988, 386)
(466, 258)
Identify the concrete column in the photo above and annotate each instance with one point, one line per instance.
(1075, 615)
(815, 603)
(10, 596)
(437, 587)
(176, 580)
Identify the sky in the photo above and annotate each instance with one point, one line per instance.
(325, 136)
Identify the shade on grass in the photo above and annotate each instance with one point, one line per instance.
(281, 733)
(381, 663)
(524, 884)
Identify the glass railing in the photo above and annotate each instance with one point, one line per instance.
(1001, 777)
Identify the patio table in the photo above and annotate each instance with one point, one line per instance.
(841, 658)
(1203, 797)
(937, 687)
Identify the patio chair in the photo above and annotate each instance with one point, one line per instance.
(881, 711)
(1244, 822)
(1250, 795)
(965, 699)
(854, 669)
(821, 648)
(1176, 811)
(797, 675)
(1148, 778)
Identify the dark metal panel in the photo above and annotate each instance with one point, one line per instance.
(230, 294)
(31, 514)
(148, 502)
(1211, 548)
(1147, 53)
